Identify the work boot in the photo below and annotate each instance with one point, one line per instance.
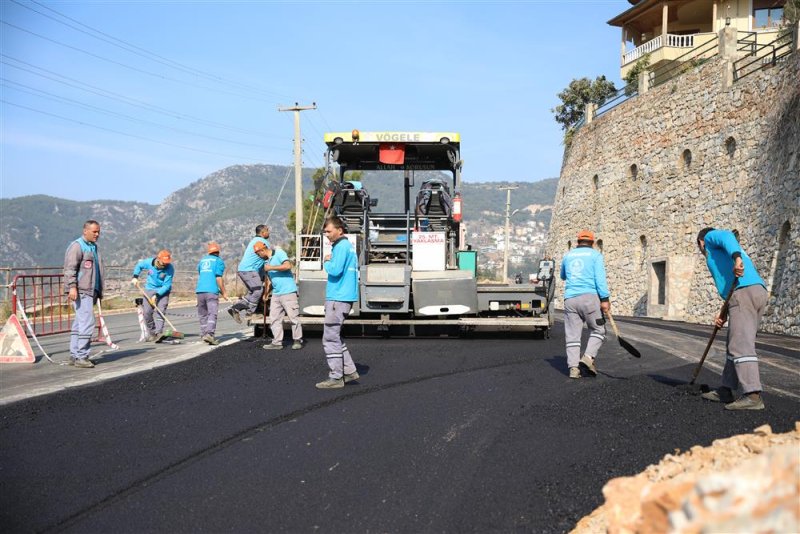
(208, 338)
(272, 346)
(159, 337)
(150, 338)
(84, 363)
(297, 344)
(574, 372)
(588, 363)
(351, 377)
(331, 383)
(235, 315)
(745, 402)
(719, 395)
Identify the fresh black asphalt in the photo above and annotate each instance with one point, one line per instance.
(439, 435)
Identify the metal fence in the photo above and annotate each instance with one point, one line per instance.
(40, 292)
(622, 95)
(760, 56)
(684, 63)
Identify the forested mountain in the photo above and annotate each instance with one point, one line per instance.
(225, 206)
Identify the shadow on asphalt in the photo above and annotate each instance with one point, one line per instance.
(115, 355)
(679, 384)
(559, 363)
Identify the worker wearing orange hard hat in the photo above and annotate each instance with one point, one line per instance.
(210, 286)
(158, 285)
(586, 298)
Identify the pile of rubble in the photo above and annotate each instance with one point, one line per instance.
(746, 483)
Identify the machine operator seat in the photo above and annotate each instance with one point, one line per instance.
(435, 204)
(352, 204)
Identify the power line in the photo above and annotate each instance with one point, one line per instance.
(82, 123)
(44, 94)
(127, 100)
(130, 67)
(134, 49)
(130, 47)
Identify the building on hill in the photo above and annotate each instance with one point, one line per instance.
(668, 30)
(707, 148)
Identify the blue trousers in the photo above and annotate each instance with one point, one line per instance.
(80, 338)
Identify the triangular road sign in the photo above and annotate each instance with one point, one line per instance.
(14, 346)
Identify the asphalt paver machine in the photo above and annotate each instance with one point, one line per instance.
(416, 273)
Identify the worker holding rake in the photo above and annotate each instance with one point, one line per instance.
(586, 298)
(729, 264)
(158, 285)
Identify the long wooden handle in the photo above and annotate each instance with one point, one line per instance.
(722, 311)
(613, 324)
(156, 309)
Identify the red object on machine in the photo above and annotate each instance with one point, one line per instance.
(457, 208)
(392, 153)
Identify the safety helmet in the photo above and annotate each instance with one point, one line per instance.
(164, 256)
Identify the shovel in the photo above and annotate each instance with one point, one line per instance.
(722, 313)
(622, 341)
(172, 332)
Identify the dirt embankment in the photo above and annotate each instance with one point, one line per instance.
(746, 483)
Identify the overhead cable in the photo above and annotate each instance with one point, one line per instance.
(83, 123)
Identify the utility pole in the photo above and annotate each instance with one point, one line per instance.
(508, 229)
(298, 175)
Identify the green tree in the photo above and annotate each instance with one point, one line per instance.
(578, 93)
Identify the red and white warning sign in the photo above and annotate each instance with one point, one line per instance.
(14, 346)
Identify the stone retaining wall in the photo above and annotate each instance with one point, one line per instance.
(649, 174)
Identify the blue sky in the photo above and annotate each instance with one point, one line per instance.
(193, 87)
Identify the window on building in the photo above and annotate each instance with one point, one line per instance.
(767, 13)
(730, 146)
(643, 250)
(686, 159)
(660, 272)
(633, 172)
(600, 245)
(569, 245)
(780, 260)
(596, 182)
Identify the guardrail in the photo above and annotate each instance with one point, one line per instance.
(622, 95)
(761, 56)
(681, 64)
(42, 297)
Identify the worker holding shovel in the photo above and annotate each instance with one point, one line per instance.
(157, 287)
(728, 263)
(585, 300)
(251, 273)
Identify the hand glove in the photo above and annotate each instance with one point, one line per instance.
(152, 301)
(134, 281)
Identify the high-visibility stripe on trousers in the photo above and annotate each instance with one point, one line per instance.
(577, 311)
(338, 356)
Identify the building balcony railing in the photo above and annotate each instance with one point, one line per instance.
(672, 41)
